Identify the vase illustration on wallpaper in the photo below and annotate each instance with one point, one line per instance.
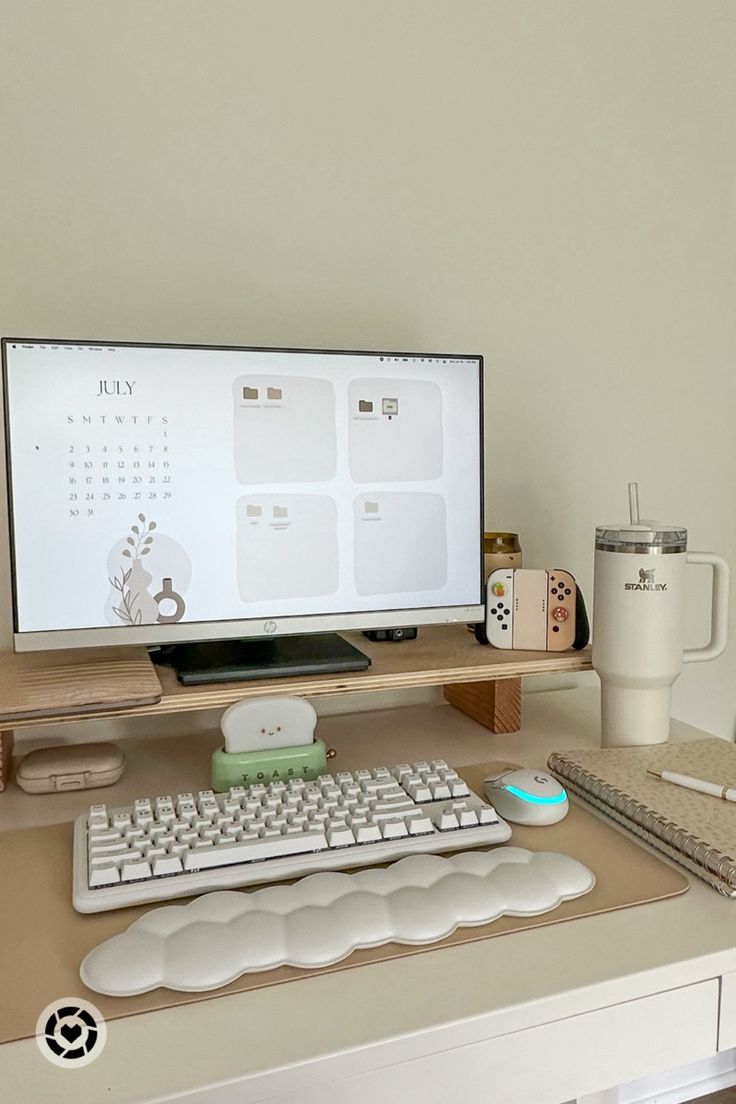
(146, 591)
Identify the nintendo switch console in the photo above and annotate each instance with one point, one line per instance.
(531, 609)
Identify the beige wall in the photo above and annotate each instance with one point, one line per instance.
(550, 183)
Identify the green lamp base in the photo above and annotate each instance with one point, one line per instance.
(247, 768)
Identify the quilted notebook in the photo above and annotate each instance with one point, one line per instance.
(694, 829)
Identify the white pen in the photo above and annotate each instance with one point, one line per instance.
(726, 793)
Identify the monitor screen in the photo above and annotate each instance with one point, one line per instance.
(162, 493)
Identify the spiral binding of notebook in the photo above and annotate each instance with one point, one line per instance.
(684, 846)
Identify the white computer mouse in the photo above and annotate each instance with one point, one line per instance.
(527, 797)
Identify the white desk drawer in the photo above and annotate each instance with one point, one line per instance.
(543, 1065)
(727, 1019)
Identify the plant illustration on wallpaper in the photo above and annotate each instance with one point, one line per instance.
(131, 601)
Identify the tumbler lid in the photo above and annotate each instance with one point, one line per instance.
(640, 535)
(649, 537)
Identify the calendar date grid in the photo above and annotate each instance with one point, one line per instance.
(98, 475)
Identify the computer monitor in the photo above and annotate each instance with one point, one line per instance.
(168, 493)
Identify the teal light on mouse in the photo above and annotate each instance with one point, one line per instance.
(536, 799)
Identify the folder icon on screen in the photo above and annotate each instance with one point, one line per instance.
(280, 511)
(371, 507)
(274, 393)
(250, 392)
(253, 511)
(365, 407)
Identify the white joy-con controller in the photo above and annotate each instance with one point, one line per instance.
(499, 606)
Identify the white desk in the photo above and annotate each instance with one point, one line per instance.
(538, 1017)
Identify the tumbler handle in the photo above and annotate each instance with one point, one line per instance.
(719, 607)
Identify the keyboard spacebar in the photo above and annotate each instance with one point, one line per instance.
(272, 847)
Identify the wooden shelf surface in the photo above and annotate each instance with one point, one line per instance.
(439, 655)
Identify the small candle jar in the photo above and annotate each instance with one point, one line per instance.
(500, 550)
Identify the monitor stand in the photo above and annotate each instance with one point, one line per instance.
(264, 657)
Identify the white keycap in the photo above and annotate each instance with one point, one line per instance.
(394, 829)
(420, 826)
(114, 860)
(251, 850)
(467, 818)
(107, 835)
(167, 864)
(132, 871)
(447, 820)
(440, 791)
(459, 789)
(378, 815)
(395, 805)
(487, 815)
(340, 836)
(367, 833)
(420, 792)
(106, 874)
(378, 785)
(116, 847)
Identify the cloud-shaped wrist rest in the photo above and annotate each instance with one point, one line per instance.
(324, 917)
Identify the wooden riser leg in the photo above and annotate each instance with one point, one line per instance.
(6, 752)
(496, 704)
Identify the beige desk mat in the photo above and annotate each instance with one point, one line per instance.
(43, 940)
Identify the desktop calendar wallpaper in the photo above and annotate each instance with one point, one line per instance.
(197, 485)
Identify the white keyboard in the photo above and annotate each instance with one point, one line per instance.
(165, 847)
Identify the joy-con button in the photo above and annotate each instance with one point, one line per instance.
(560, 614)
(499, 590)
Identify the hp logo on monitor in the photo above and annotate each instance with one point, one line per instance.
(269, 627)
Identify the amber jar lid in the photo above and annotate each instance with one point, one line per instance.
(501, 542)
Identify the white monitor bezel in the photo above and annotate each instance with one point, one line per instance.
(250, 628)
